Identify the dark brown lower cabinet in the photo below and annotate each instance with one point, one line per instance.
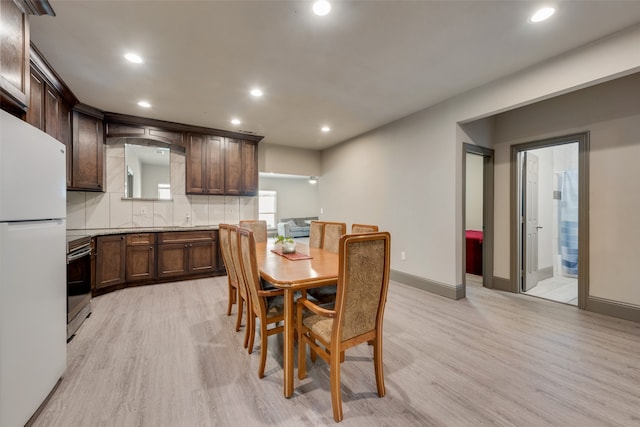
(141, 258)
(110, 260)
(187, 253)
(173, 259)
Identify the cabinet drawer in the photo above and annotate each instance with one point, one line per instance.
(186, 236)
(141, 239)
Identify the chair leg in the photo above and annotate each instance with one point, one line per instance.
(231, 298)
(252, 333)
(263, 349)
(248, 329)
(239, 319)
(336, 399)
(377, 362)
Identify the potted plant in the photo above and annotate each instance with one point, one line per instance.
(288, 244)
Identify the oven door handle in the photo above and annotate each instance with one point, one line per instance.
(75, 256)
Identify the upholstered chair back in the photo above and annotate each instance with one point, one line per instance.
(362, 284)
(315, 234)
(259, 228)
(331, 235)
(363, 228)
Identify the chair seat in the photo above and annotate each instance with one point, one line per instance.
(319, 325)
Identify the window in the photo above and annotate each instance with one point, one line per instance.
(164, 191)
(267, 207)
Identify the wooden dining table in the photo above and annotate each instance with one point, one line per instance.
(295, 275)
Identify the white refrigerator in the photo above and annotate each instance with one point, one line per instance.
(33, 313)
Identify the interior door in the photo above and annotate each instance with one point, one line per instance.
(530, 220)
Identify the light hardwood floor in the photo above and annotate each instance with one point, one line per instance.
(167, 355)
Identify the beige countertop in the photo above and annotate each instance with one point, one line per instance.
(74, 234)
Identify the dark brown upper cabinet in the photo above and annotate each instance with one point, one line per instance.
(217, 165)
(50, 100)
(205, 164)
(87, 171)
(14, 56)
(15, 76)
(241, 167)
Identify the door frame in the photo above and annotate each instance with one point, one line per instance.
(487, 212)
(528, 251)
(583, 209)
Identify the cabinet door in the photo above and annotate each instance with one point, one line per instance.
(203, 257)
(173, 259)
(140, 263)
(196, 149)
(141, 258)
(35, 113)
(249, 151)
(88, 152)
(110, 261)
(214, 172)
(233, 167)
(14, 56)
(51, 112)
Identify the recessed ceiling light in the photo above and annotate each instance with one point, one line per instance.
(132, 57)
(144, 104)
(321, 7)
(542, 14)
(256, 92)
(325, 128)
(235, 121)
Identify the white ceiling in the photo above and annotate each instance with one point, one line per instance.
(364, 65)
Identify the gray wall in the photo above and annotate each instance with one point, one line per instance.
(611, 113)
(407, 176)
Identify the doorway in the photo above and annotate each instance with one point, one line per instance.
(478, 215)
(550, 218)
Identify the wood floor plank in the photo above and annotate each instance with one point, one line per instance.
(167, 355)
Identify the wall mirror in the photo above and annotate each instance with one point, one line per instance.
(147, 172)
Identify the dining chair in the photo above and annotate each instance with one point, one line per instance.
(363, 228)
(243, 293)
(266, 305)
(232, 278)
(315, 234)
(259, 228)
(331, 232)
(363, 282)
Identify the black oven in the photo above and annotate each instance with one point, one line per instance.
(78, 283)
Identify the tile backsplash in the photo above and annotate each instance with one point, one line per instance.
(108, 210)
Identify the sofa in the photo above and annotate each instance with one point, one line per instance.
(295, 227)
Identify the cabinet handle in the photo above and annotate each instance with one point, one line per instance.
(150, 248)
(185, 245)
